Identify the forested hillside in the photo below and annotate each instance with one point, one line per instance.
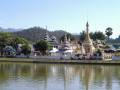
(36, 33)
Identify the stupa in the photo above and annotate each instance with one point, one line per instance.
(65, 44)
(88, 44)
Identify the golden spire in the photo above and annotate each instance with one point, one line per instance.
(87, 25)
(87, 32)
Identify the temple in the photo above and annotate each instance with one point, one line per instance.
(51, 40)
(65, 44)
(88, 44)
(69, 46)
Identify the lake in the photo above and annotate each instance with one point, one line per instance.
(27, 76)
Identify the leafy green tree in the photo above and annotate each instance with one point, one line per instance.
(109, 32)
(68, 36)
(41, 46)
(18, 40)
(5, 39)
(26, 50)
(82, 36)
(98, 36)
(9, 51)
(95, 36)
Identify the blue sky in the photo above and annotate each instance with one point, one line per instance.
(68, 15)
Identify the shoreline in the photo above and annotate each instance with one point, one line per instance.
(55, 61)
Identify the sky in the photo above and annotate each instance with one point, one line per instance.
(68, 15)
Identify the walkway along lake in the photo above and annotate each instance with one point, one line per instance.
(36, 76)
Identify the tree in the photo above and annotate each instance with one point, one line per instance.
(26, 50)
(68, 36)
(9, 51)
(98, 36)
(95, 36)
(18, 40)
(108, 32)
(41, 46)
(5, 39)
(82, 36)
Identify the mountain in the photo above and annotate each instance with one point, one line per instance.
(37, 33)
(9, 29)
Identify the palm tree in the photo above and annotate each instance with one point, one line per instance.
(108, 32)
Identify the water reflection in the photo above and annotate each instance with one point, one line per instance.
(58, 77)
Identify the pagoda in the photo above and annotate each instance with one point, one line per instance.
(88, 44)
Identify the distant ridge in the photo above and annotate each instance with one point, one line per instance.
(9, 30)
(37, 33)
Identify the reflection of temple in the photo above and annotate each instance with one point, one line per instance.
(64, 77)
(88, 44)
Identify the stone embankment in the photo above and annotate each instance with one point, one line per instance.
(42, 60)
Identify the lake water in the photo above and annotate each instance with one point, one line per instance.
(22, 76)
